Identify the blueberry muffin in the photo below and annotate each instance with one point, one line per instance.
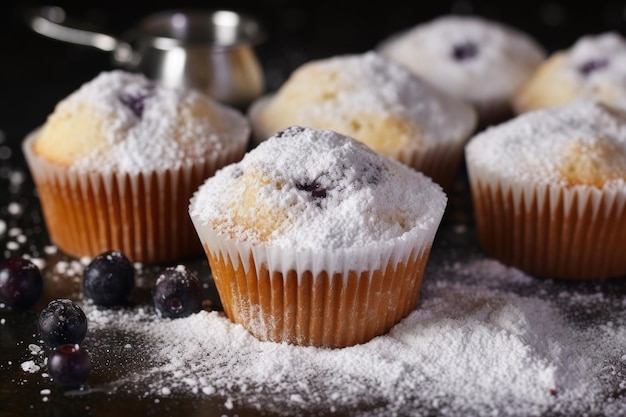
(117, 160)
(594, 68)
(549, 191)
(481, 61)
(314, 239)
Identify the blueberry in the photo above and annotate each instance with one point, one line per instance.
(313, 187)
(69, 365)
(21, 283)
(62, 322)
(464, 51)
(177, 293)
(593, 65)
(109, 279)
(136, 102)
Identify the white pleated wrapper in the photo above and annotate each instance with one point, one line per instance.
(282, 259)
(575, 199)
(549, 229)
(323, 297)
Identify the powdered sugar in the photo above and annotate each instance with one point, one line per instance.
(500, 60)
(597, 65)
(371, 85)
(485, 340)
(133, 114)
(539, 147)
(325, 191)
(364, 86)
(30, 367)
(472, 347)
(547, 335)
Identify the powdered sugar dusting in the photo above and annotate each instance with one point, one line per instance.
(597, 65)
(147, 126)
(472, 347)
(501, 57)
(485, 340)
(30, 367)
(370, 84)
(536, 146)
(326, 191)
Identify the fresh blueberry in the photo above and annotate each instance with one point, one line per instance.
(62, 322)
(109, 279)
(177, 293)
(21, 283)
(464, 51)
(69, 366)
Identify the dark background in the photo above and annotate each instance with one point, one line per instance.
(36, 72)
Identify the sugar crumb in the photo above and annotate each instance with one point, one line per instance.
(30, 367)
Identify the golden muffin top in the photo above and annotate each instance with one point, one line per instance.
(121, 121)
(593, 68)
(369, 98)
(580, 144)
(309, 189)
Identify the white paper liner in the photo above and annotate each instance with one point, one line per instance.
(341, 261)
(551, 230)
(143, 215)
(437, 159)
(327, 298)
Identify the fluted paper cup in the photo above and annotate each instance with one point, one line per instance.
(438, 160)
(144, 215)
(549, 230)
(324, 298)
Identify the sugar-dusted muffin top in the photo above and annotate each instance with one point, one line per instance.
(470, 57)
(593, 68)
(121, 121)
(317, 189)
(369, 98)
(583, 143)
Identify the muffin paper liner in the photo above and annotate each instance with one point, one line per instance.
(143, 215)
(554, 231)
(440, 160)
(324, 298)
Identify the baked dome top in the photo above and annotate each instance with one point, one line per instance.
(121, 121)
(583, 143)
(317, 189)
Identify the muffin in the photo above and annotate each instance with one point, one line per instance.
(314, 239)
(593, 68)
(549, 191)
(117, 160)
(376, 101)
(481, 61)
